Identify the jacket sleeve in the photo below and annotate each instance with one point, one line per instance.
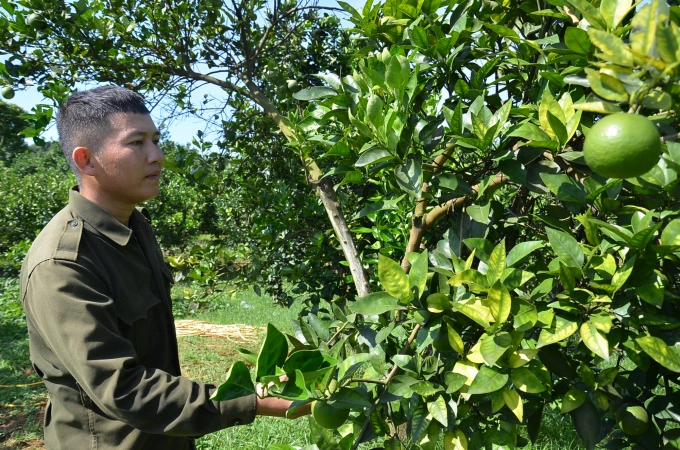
(77, 320)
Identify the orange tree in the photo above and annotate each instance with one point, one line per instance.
(503, 274)
(509, 275)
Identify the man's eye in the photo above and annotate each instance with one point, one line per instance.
(156, 141)
(136, 143)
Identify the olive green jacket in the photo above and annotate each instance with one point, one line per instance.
(102, 337)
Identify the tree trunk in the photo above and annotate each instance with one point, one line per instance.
(325, 191)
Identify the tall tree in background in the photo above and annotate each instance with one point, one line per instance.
(11, 124)
(254, 54)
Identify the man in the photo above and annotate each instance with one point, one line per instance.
(97, 299)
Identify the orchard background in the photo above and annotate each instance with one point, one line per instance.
(414, 185)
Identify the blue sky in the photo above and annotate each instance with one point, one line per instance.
(181, 130)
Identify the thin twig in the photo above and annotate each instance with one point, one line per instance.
(337, 333)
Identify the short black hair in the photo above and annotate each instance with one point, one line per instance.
(84, 116)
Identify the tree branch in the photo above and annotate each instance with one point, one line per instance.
(417, 231)
(389, 377)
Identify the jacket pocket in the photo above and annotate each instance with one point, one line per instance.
(137, 320)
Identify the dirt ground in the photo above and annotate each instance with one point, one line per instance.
(11, 424)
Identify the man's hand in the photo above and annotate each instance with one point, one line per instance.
(277, 407)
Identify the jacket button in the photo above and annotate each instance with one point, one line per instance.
(73, 223)
(236, 422)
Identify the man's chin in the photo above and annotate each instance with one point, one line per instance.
(150, 195)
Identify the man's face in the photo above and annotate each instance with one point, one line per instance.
(130, 159)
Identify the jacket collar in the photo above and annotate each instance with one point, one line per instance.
(100, 219)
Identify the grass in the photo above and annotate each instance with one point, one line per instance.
(206, 359)
(21, 406)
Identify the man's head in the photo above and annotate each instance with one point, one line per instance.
(111, 143)
(85, 117)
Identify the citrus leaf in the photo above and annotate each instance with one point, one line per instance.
(534, 423)
(454, 338)
(494, 346)
(563, 329)
(613, 11)
(503, 31)
(420, 421)
(438, 410)
(515, 278)
(566, 247)
(496, 263)
(409, 176)
(606, 86)
(500, 302)
(524, 313)
(346, 398)
(238, 384)
(621, 275)
(373, 156)
(314, 93)
(587, 423)
(514, 402)
(471, 313)
(351, 363)
(589, 12)
(521, 251)
(376, 303)
(417, 276)
(469, 276)
(438, 302)
(577, 40)
(392, 277)
(295, 388)
(669, 357)
(419, 37)
(567, 278)
(598, 107)
(671, 233)
(273, 353)
(612, 46)
(594, 340)
(526, 381)
(521, 357)
(558, 127)
(487, 380)
(644, 24)
(572, 400)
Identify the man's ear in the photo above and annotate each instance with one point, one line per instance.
(83, 157)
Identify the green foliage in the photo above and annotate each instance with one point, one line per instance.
(11, 142)
(525, 279)
(35, 187)
(507, 276)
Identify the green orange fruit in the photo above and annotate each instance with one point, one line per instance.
(632, 419)
(429, 440)
(455, 440)
(36, 21)
(327, 416)
(7, 92)
(622, 146)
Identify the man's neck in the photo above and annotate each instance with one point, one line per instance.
(120, 210)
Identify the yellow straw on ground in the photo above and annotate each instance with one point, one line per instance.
(236, 332)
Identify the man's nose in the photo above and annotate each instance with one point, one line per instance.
(156, 154)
